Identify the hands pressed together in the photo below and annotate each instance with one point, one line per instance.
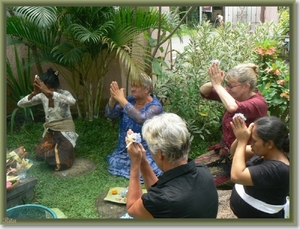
(240, 130)
(116, 95)
(39, 86)
(116, 92)
(215, 74)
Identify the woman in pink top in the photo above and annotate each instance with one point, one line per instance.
(239, 96)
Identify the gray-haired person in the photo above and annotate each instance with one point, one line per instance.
(239, 95)
(132, 111)
(185, 190)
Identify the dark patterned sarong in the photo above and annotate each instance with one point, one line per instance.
(55, 150)
(218, 160)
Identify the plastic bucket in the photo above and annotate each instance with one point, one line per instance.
(30, 211)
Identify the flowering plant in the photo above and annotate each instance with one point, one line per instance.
(274, 77)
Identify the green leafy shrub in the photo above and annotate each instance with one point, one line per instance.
(180, 94)
(179, 89)
(284, 17)
(274, 79)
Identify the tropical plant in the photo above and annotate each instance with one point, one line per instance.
(34, 27)
(19, 85)
(179, 89)
(179, 93)
(85, 40)
(274, 76)
(274, 79)
(207, 44)
(166, 29)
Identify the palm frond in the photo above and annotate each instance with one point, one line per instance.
(138, 17)
(42, 16)
(89, 16)
(31, 34)
(133, 61)
(68, 54)
(123, 34)
(84, 34)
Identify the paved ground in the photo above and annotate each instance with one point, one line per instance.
(107, 209)
(224, 208)
(81, 166)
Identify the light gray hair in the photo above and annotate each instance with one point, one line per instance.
(244, 73)
(143, 81)
(168, 133)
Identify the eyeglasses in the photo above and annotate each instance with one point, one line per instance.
(232, 86)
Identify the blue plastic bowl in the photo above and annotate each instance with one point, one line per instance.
(30, 211)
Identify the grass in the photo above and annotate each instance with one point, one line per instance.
(76, 196)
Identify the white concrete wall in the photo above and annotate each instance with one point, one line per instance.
(167, 45)
(271, 13)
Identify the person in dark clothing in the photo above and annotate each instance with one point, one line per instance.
(185, 190)
(262, 185)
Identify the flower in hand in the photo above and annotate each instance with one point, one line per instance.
(134, 146)
(241, 115)
(133, 137)
(240, 130)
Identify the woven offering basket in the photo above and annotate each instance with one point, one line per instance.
(13, 186)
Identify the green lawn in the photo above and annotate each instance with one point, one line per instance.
(76, 196)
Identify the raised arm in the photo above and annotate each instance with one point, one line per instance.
(248, 153)
(30, 100)
(239, 172)
(216, 78)
(134, 204)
